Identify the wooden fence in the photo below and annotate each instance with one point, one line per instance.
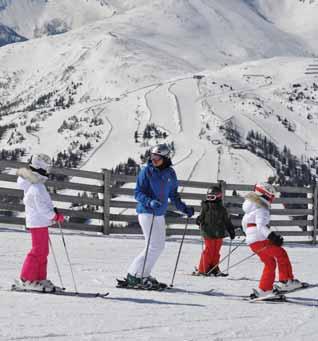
(104, 202)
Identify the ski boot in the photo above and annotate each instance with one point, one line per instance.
(196, 272)
(289, 285)
(147, 283)
(40, 286)
(268, 295)
(218, 273)
(260, 293)
(129, 282)
(151, 283)
(50, 287)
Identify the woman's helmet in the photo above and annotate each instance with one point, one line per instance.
(41, 163)
(161, 149)
(214, 194)
(265, 191)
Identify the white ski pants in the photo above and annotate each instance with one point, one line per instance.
(156, 245)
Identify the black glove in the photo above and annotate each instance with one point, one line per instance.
(231, 232)
(276, 239)
(189, 211)
(198, 220)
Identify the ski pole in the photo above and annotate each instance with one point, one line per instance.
(66, 252)
(250, 256)
(228, 259)
(67, 256)
(147, 248)
(224, 258)
(56, 264)
(177, 261)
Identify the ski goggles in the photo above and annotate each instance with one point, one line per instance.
(155, 157)
(214, 197)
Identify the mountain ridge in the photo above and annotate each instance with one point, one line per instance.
(194, 70)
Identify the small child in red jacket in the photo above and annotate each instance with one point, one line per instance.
(265, 243)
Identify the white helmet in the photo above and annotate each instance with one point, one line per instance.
(265, 191)
(41, 163)
(160, 149)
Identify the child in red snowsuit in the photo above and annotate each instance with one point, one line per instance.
(214, 223)
(266, 244)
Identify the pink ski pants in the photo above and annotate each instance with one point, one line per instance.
(35, 264)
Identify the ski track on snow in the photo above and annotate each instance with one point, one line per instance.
(147, 101)
(110, 130)
(193, 168)
(187, 156)
(178, 109)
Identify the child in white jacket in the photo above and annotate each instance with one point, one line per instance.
(266, 244)
(39, 214)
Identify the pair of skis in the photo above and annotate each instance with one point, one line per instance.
(275, 297)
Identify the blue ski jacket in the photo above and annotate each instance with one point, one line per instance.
(155, 184)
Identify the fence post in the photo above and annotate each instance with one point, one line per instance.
(315, 208)
(107, 197)
(310, 217)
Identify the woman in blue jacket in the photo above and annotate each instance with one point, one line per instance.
(156, 183)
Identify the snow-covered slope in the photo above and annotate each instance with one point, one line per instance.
(298, 17)
(190, 68)
(189, 311)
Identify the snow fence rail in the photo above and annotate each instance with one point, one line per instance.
(104, 202)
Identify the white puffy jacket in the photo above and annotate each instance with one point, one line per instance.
(39, 210)
(256, 219)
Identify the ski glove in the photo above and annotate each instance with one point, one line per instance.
(276, 239)
(198, 220)
(59, 217)
(189, 211)
(155, 204)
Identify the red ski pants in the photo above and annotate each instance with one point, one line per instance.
(35, 264)
(271, 255)
(210, 255)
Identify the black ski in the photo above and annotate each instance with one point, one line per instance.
(273, 298)
(81, 294)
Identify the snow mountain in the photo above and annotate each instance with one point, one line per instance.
(204, 76)
(35, 18)
(8, 36)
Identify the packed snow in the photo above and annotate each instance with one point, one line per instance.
(195, 309)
